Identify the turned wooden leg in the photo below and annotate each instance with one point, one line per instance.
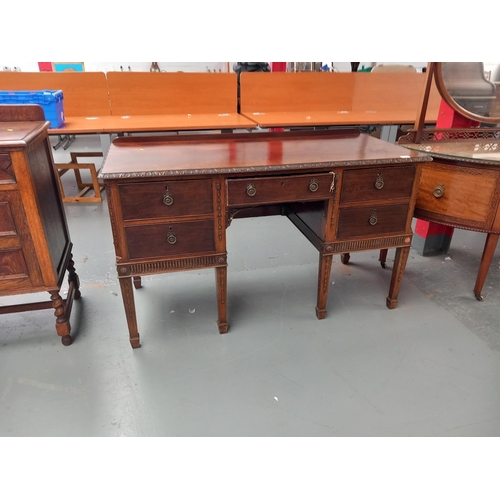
(325, 268)
(221, 278)
(488, 251)
(137, 282)
(345, 257)
(397, 276)
(73, 277)
(383, 257)
(63, 327)
(129, 304)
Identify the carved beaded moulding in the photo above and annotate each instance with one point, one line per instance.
(171, 265)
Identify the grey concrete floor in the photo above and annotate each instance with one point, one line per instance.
(428, 368)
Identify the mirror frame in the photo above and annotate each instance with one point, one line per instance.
(438, 77)
(421, 133)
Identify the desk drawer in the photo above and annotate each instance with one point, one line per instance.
(281, 189)
(371, 221)
(377, 184)
(165, 240)
(148, 200)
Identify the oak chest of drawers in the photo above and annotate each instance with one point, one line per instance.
(35, 245)
(171, 201)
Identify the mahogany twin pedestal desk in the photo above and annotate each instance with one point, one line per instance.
(171, 200)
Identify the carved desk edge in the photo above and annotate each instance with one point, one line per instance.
(264, 168)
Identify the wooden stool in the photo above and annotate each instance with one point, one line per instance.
(84, 187)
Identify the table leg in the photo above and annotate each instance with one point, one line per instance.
(221, 278)
(397, 276)
(137, 282)
(325, 268)
(489, 250)
(129, 304)
(63, 327)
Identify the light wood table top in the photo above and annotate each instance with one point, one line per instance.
(158, 123)
(331, 118)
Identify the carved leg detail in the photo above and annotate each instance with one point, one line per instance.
(488, 251)
(397, 276)
(63, 327)
(325, 268)
(221, 279)
(383, 258)
(73, 277)
(137, 282)
(129, 304)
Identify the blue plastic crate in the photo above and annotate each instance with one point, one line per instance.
(50, 100)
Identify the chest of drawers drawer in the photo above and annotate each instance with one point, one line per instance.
(280, 189)
(165, 240)
(372, 220)
(166, 199)
(371, 184)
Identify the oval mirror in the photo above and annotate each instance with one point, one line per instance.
(471, 88)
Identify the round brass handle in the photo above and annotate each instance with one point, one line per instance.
(379, 182)
(171, 238)
(313, 185)
(438, 191)
(251, 191)
(373, 218)
(168, 199)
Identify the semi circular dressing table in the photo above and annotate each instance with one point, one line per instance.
(461, 186)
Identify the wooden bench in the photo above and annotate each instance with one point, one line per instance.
(86, 104)
(329, 99)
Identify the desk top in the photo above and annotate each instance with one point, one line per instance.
(135, 157)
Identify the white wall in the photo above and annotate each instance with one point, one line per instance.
(134, 66)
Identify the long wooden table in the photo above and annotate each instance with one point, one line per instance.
(172, 199)
(334, 99)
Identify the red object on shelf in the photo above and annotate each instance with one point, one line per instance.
(45, 66)
(278, 66)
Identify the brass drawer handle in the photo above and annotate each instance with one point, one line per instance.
(379, 182)
(171, 238)
(168, 199)
(373, 218)
(438, 191)
(313, 186)
(251, 191)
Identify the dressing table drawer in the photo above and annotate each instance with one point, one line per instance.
(281, 189)
(369, 184)
(372, 220)
(147, 241)
(150, 200)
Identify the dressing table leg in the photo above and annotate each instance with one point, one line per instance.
(397, 276)
(221, 279)
(325, 268)
(383, 258)
(129, 304)
(489, 250)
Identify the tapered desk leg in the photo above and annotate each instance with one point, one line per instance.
(489, 250)
(325, 268)
(397, 276)
(221, 279)
(129, 304)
